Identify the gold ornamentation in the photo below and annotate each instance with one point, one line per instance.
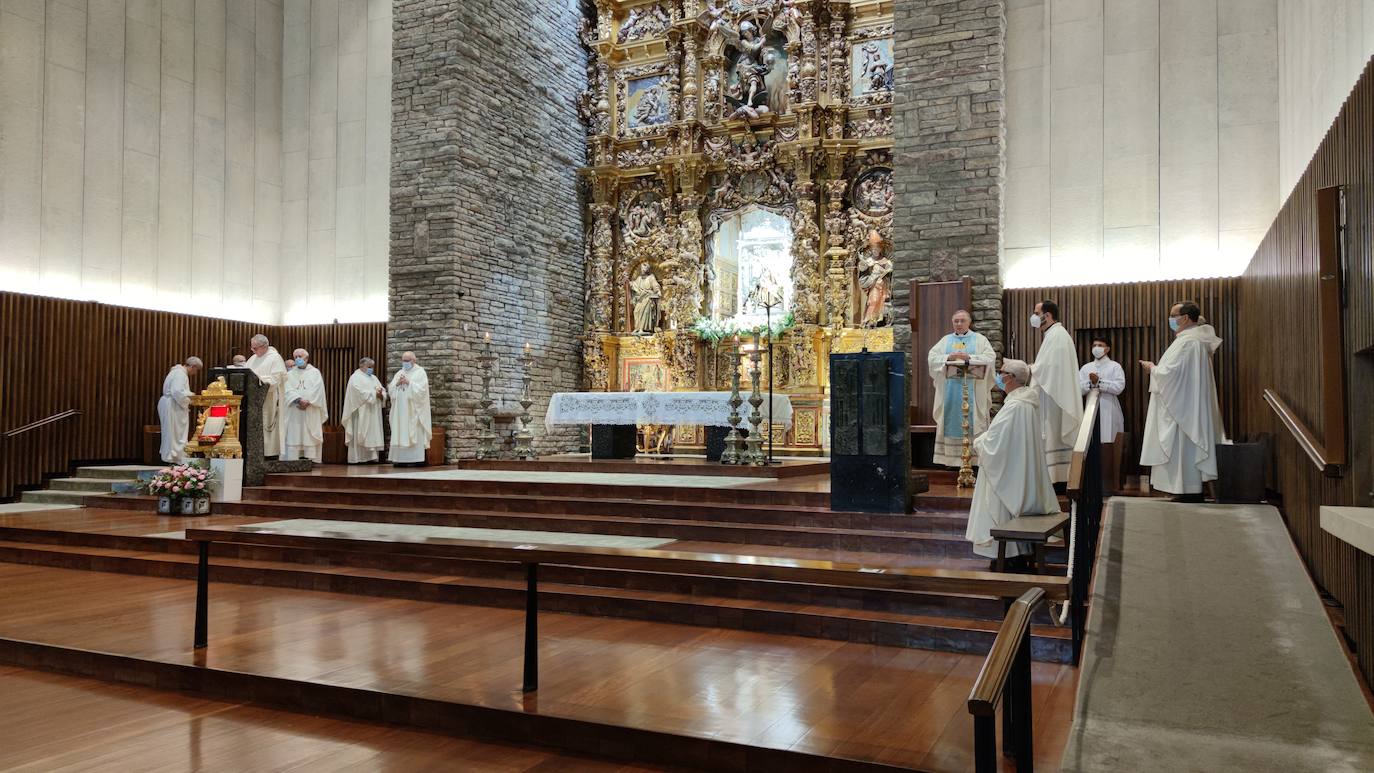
(226, 445)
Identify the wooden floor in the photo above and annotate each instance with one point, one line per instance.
(62, 723)
(857, 701)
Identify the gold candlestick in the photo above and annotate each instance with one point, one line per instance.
(966, 479)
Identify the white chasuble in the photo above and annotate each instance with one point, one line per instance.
(1055, 376)
(302, 424)
(362, 417)
(173, 411)
(1012, 480)
(1183, 426)
(1111, 381)
(948, 407)
(270, 370)
(410, 422)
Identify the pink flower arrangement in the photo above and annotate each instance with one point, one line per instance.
(178, 481)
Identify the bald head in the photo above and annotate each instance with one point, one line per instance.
(1015, 374)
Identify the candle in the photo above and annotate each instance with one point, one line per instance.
(527, 347)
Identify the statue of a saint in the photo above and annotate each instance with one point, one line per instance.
(755, 60)
(875, 280)
(876, 69)
(645, 293)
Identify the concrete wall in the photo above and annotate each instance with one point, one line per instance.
(140, 152)
(486, 224)
(1323, 48)
(1142, 138)
(336, 102)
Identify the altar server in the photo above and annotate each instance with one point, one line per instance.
(362, 414)
(303, 401)
(1106, 376)
(270, 369)
(963, 345)
(1055, 378)
(1012, 480)
(1183, 426)
(173, 409)
(410, 422)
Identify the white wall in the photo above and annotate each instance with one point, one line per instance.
(1323, 47)
(336, 157)
(140, 152)
(1142, 138)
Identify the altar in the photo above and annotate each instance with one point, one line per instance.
(704, 409)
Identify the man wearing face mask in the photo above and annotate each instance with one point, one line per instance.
(270, 369)
(1061, 406)
(1012, 480)
(961, 346)
(411, 430)
(1183, 426)
(362, 414)
(304, 404)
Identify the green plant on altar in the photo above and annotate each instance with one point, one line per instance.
(181, 481)
(717, 330)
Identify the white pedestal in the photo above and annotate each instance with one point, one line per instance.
(228, 485)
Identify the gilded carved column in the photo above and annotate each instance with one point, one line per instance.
(600, 310)
(839, 293)
(807, 289)
(690, 90)
(836, 51)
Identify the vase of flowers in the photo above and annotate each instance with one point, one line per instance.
(182, 488)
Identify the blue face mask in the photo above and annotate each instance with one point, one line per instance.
(369, 371)
(1173, 324)
(300, 362)
(407, 365)
(997, 379)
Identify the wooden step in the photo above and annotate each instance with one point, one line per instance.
(641, 464)
(773, 616)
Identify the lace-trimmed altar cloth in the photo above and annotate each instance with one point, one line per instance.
(707, 409)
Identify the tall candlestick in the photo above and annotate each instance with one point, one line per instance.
(524, 436)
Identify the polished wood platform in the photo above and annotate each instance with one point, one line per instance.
(708, 698)
(54, 722)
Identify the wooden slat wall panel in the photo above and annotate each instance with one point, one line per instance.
(109, 361)
(1134, 318)
(1280, 340)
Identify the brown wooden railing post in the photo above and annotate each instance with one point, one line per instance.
(1006, 679)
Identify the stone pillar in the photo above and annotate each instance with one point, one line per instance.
(949, 143)
(486, 224)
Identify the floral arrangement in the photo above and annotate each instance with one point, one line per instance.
(180, 481)
(717, 330)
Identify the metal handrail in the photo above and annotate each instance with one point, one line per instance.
(56, 417)
(1006, 678)
(1307, 441)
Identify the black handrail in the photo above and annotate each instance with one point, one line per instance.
(56, 417)
(1006, 679)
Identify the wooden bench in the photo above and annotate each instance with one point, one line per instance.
(1035, 529)
(336, 536)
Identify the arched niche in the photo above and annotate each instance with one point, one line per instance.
(750, 247)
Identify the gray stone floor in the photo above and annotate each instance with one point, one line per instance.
(1208, 649)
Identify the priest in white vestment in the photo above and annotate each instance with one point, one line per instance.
(173, 410)
(1106, 376)
(1012, 479)
(963, 345)
(362, 414)
(304, 409)
(270, 369)
(1055, 376)
(1183, 426)
(410, 421)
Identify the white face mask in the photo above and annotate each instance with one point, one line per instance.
(1099, 352)
(1035, 321)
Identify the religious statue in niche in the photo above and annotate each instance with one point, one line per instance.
(872, 67)
(873, 194)
(875, 281)
(645, 295)
(648, 102)
(643, 218)
(758, 72)
(644, 22)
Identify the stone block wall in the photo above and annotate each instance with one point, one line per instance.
(486, 226)
(949, 151)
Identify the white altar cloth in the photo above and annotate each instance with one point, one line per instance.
(707, 409)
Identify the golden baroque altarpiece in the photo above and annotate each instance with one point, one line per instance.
(698, 111)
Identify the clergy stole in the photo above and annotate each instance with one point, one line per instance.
(362, 417)
(303, 428)
(1012, 480)
(1061, 406)
(173, 412)
(1183, 424)
(948, 407)
(411, 430)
